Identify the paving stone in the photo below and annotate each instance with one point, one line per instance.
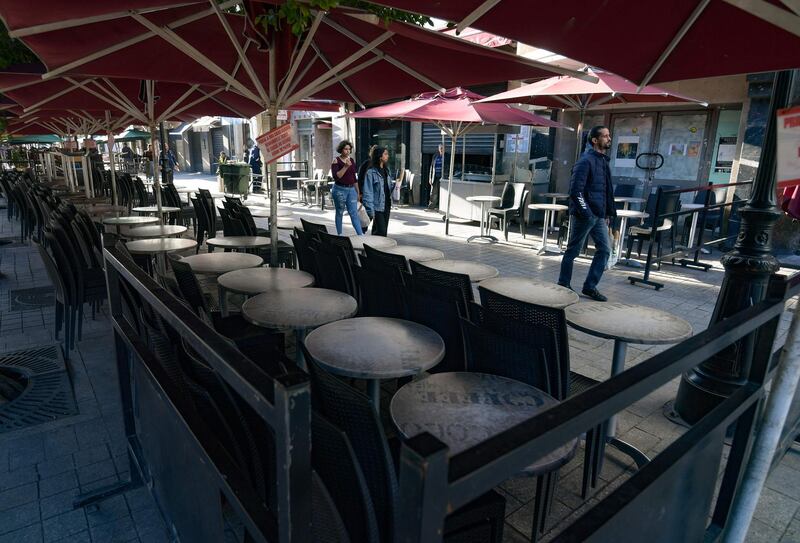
(106, 511)
(29, 534)
(18, 477)
(121, 530)
(18, 517)
(786, 481)
(139, 498)
(58, 503)
(760, 532)
(91, 455)
(58, 483)
(94, 472)
(55, 466)
(776, 509)
(64, 525)
(17, 496)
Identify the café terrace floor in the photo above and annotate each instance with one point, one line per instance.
(43, 468)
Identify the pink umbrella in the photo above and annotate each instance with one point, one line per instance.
(456, 113)
(581, 95)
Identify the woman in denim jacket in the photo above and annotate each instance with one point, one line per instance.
(376, 198)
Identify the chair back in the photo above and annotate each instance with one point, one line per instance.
(352, 412)
(332, 268)
(334, 459)
(188, 286)
(387, 260)
(550, 318)
(489, 352)
(312, 227)
(378, 297)
(507, 196)
(446, 279)
(305, 260)
(441, 314)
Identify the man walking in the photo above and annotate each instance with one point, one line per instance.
(591, 206)
(435, 178)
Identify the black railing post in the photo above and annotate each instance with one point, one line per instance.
(747, 271)
(423, 490)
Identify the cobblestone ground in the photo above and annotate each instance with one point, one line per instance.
(44, 468)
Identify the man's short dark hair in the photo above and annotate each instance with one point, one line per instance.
(595, 132)
(342, 145)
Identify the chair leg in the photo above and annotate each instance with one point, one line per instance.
(59, 317)
(545, 490)
(505, 227)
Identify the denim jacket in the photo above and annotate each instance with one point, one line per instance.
(591, 193)
(373, 196)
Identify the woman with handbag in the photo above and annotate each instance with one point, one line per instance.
(377, 195)
(345, 193)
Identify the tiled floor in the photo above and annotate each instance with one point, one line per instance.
(43, 468)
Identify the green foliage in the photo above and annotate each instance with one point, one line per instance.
(298, 14)
(13, 51)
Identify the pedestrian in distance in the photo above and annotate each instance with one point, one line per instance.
(376, 195)
(435, 178)
(591, 208)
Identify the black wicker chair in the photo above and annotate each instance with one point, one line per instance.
(420, 272)
(312, 227)
(351, 411)
(378, 297)
(387, 259)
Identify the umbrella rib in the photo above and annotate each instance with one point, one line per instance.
(121, 95)
(133, 41)
(167, 112)
(476, 14)
(52, 97)
(674, 43)
(302, 74)
(93, 92)
(71, 23)
(220, 102)
(309, 39)
(327, 63)
(331, 74)
(388, 58)
(248, 67)
(793, 5)
(118, 100)
(771, 13)
(193, 103)
(306, 92)
(186, 48)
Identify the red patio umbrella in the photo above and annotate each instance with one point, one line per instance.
(558, 92)
(456, 113)
(646, 42)
(345, 55)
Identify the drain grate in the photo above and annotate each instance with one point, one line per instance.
(31, 298)
(48, 395)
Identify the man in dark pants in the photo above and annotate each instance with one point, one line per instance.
(435, 178)
(591, 206)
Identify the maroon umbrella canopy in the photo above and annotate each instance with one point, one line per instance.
(191, 44)
(646, 42)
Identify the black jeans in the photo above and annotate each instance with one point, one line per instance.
(433, 200)
(380, 224)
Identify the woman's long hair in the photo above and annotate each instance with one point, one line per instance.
(375, 158)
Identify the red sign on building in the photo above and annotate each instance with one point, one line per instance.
(277, 143)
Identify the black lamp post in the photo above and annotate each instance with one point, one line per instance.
(747, 271)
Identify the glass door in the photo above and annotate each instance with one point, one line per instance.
(682, 142)
(632, 137)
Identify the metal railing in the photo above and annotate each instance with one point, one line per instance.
(669, 499)
(179, 455)
(658, 218)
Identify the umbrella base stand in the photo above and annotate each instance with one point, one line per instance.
(490, 239)
(554, 249)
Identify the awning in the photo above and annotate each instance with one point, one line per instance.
(180, 129)
(204, 124)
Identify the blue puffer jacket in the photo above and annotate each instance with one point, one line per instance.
(373, 195)
(590, 191)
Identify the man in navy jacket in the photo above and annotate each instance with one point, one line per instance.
(591, 206)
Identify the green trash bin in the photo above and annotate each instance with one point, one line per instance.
(235, 177)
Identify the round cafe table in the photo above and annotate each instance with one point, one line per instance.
(624, 215)
(626, 201)
(483, 200)
(464, 408)
(133, 220)
(262, 212)
(154, 209)
(414, 252)
(252, 281)
(299, 309)
(219, 263)
(475, 270)
(554, 197)
(549, 209)
(238, 242)
(159, 247)
(156, 231)
(626, 323)
(375, 348)
(532, 291)
(376, 242)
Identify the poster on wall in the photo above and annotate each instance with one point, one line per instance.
(788, 152)
(726, 152)
(519, 143)
(693, 149)
(677, 149)
(627, 149)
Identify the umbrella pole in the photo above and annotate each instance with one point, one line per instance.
(453, 138)
(463, 155)
(578, 150)
(110, 139)
(494, 156)
(272, 120)
(156, 184)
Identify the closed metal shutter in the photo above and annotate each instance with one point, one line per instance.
(196, 152)
(477, 144)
